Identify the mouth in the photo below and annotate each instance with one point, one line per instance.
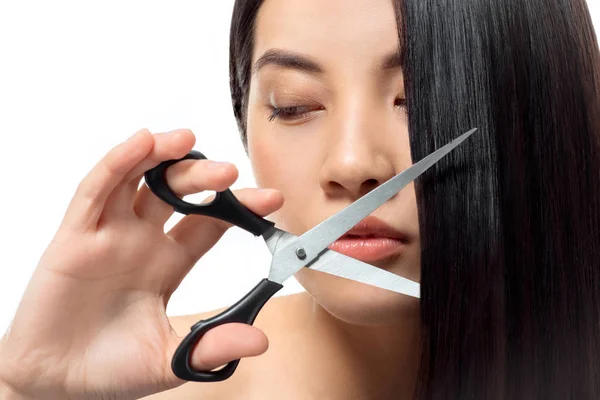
(371, 240)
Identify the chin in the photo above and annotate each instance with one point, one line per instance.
(358, 303)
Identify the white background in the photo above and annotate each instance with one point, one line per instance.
(77, 78)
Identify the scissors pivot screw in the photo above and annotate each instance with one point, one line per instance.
(301, 253)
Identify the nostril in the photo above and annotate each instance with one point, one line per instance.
(336, 185)
(370, 184)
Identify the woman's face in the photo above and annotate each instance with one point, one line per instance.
(331, 68)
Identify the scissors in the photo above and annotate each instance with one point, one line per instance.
(290, 253)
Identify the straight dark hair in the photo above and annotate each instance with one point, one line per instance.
(510, 221)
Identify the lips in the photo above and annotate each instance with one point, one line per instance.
(371, 240)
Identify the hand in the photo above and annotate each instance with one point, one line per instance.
(92, 322)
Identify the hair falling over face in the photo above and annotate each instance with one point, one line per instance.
(509, 222)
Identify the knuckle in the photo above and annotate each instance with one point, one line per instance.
(185, 178)
(192, 184)
(111, 165)
(86, 191)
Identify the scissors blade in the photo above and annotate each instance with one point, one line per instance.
(277, 239)
(337, 264)
(316, 240)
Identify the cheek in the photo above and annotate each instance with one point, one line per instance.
(286, 165)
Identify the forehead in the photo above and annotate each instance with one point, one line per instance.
(355, 32)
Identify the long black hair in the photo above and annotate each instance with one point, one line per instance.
(510, 221)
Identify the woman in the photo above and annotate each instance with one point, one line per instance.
(503, 234)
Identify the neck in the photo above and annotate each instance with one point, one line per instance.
(367, 361)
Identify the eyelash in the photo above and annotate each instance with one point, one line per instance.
(291, 113)
(402, 102)
(288, 113)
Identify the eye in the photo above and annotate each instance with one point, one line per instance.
(400, 102)
(292, 113)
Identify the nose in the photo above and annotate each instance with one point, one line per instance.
(359, 157)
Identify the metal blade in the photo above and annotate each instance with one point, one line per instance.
(275, 239)
(340, 265)
(308, 246)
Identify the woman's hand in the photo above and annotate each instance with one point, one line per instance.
(92, 322)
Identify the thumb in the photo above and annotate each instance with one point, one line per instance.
(223, 344)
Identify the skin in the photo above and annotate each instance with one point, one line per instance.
(348, 138)
(94, 310)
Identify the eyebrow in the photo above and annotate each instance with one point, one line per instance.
(394, 60)
(288, 59)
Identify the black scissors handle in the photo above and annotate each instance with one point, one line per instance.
(244, 311)
(225, 206)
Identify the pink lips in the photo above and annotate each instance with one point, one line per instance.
(371, 240)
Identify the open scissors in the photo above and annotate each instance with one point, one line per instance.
(290, 253)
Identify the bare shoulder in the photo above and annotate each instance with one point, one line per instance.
(272, 320)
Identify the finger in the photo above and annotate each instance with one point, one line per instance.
(89, 199)
(226, 343)
(197, 234)
(167, 146)
(184, 178)
(223, 344)
(191, 230)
